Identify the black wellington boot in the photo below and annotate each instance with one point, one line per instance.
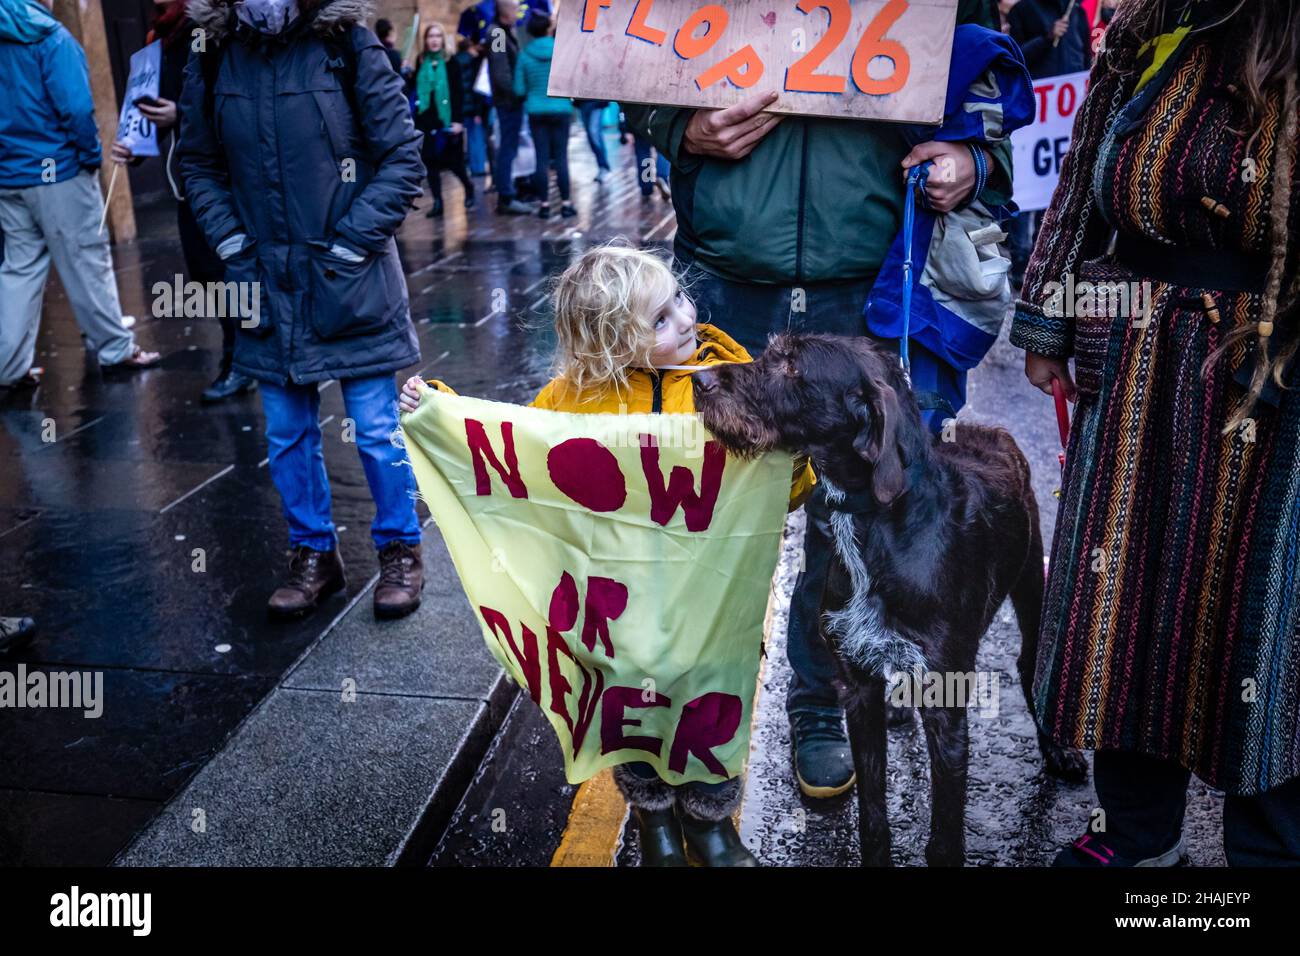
(661, 837)
(714, 843)
(705, 813)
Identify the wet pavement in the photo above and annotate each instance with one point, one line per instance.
(141, 529)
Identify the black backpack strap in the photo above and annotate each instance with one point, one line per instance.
(209, 68)
(343, 62)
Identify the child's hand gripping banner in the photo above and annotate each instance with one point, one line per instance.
(619, 566)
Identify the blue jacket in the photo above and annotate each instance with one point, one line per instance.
(989, 95)
(46, 111)
(474, 21)
(305, 141)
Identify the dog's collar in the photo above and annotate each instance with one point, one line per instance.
(848, 502)
(859, 502)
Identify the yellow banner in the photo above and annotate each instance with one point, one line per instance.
(619, 566)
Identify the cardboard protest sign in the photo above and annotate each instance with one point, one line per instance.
(134, 130)
(619, 566)
(860, 59)
(1039, 147)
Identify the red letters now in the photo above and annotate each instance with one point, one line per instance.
(680, 489)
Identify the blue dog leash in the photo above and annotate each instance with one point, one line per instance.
(916, 178)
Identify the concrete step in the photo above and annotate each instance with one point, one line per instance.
(359, 756)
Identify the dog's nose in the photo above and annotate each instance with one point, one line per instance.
(707, 380)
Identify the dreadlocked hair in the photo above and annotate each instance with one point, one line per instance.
(1272, 308)
(1268, 33)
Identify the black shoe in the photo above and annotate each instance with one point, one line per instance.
(1090, 851)
(543, 211)
(714, 842)
(228, 386)
(661, 837)
(823, 762)
(470, 201)
(435, 211)
(17, 631)
(567, 211)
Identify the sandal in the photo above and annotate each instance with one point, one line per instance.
(139, 359)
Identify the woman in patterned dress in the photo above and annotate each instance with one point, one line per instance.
(1166, 268)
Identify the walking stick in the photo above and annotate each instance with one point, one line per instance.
(1069, 12)
(103, 217)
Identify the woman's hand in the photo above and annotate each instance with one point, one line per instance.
(162, 114)
(1042, 369)
(121, 154)
(951, 178)
(409, 400)
(456, 129)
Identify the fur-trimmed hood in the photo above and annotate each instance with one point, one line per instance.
(330, 16)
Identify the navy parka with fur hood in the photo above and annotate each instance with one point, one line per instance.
(280, 150)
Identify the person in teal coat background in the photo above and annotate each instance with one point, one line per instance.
(549, 117)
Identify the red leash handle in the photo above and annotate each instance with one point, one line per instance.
(1062, 415)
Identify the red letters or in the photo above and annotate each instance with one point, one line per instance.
(606, 601)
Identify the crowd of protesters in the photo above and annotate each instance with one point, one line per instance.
(1183, 96)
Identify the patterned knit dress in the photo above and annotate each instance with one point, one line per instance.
(1171, 619)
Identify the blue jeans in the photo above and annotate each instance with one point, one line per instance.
(476, 140)
(298, 465)
(509, 122)
(593, 122)
(748, 312)
(661, 170)
(551, 141)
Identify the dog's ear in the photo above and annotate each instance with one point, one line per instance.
(876, 408)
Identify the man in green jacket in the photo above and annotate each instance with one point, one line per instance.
(783, 223)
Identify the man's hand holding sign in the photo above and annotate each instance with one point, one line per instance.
(862, 59)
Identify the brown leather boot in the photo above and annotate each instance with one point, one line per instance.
(313, 575)
(401, 579)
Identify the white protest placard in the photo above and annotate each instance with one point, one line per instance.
(855, 59)
(1039, 147)
(134, 130)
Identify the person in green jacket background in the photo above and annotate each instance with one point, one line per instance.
(549, 117)
(783, 223)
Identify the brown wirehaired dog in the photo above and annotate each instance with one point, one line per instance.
(929, 538)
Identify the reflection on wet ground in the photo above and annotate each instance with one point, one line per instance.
(140, 528)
